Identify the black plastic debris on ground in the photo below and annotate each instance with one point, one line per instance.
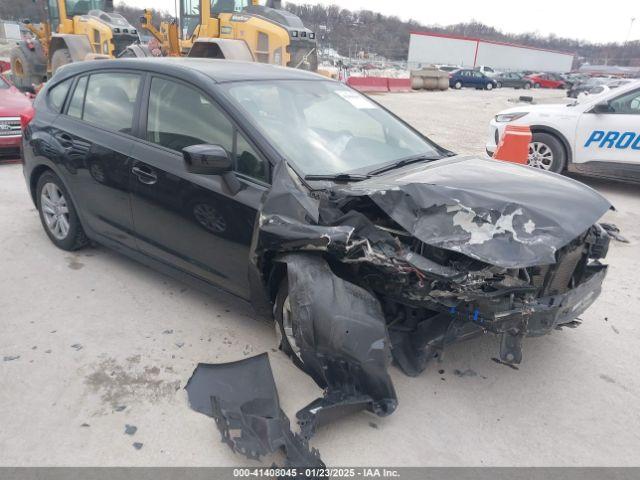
(242, 397)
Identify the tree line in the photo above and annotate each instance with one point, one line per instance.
(349, 31)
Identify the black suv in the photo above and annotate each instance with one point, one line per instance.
(295, 192)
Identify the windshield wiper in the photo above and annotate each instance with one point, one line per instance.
(339, 177)
(402, 163)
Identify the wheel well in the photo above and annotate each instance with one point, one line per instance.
(277, 273)
(33, 181)
(559, 136)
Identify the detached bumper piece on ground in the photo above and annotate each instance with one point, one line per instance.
(242, 397)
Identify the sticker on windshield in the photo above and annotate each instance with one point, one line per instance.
(357, 100)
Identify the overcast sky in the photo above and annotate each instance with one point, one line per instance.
(593, 20)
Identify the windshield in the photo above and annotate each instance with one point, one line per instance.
(83, 7)
(325, 128)
(228, 6)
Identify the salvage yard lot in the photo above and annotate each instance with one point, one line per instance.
(92, 342)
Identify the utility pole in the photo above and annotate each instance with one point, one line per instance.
(633, 19)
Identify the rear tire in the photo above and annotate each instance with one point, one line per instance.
(546, 152)
(58, 213)
(60, 58)
(499, 85)
(527, 86)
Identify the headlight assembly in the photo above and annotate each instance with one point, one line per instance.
(509, 117)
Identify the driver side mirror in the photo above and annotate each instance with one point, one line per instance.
(211, 160)
(206, 159)
(601, 107)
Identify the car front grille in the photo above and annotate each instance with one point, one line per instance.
(10, 127)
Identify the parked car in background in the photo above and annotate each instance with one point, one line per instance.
(466, 77)
(448, 68)
(13, 105)
(610, 84)
(514, 80)
(584, 86)
(546, 80)
(571, 79)
(598, 136)
(596, 86)
(488, 71)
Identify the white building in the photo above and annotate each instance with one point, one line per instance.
(435, 48)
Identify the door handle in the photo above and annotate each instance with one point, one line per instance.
(145, 175)
(65, 140)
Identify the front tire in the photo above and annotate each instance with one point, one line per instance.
(546, 152)
(286, 325)
(457, 85)
(58, 214)
(489, 86)
(536, 85)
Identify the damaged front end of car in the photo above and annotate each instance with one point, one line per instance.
(402, 265)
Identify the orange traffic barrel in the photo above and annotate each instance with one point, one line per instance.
(514, 145)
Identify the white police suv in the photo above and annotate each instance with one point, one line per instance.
(598, 136)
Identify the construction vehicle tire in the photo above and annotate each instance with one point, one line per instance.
(23, 69)
(60, 57)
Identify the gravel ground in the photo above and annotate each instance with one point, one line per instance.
(93, 344)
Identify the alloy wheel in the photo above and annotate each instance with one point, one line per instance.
(540, 156)
(55, 210)
(209, 218)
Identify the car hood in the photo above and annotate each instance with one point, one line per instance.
(500, 213)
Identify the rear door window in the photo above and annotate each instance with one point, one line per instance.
(106, 100)
(110, 100)
(77, 99)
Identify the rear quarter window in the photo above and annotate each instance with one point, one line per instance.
(58, 94)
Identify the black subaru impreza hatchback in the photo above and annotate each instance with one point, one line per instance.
(365, 240)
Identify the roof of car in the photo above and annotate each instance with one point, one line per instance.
(218, 70)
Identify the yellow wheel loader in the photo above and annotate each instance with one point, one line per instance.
(231, 28)
(75, 30)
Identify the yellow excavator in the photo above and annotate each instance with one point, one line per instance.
(226, 28)
(74, 30)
